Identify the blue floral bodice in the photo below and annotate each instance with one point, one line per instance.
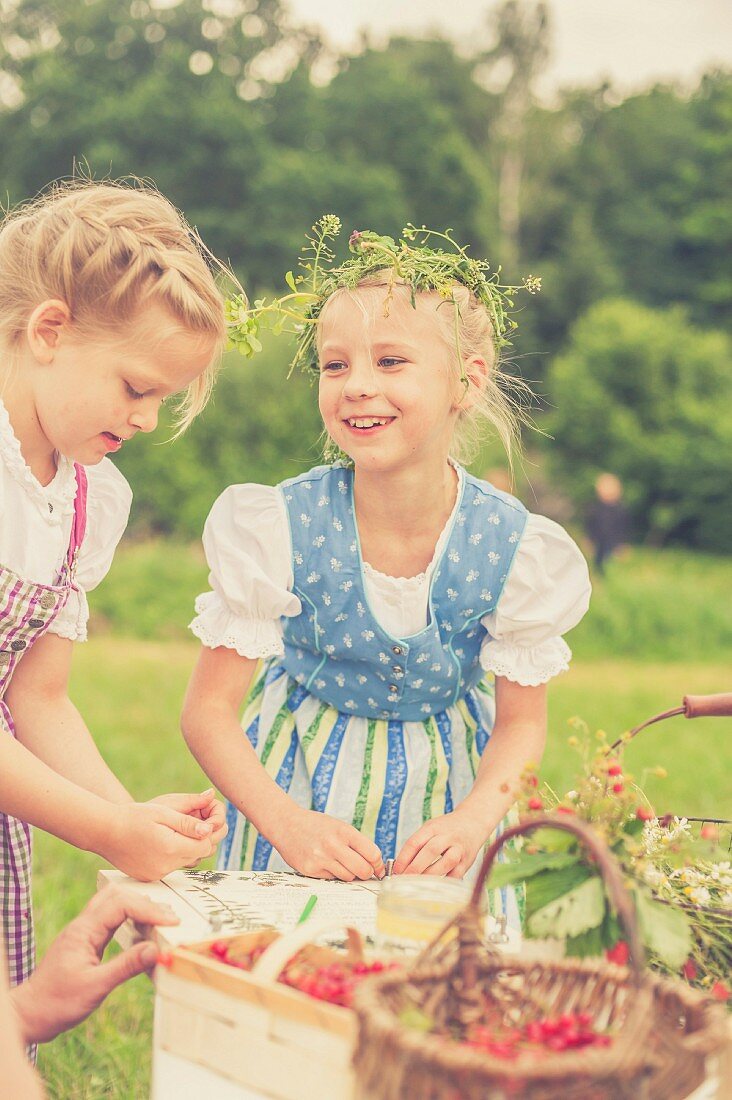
(337, 649)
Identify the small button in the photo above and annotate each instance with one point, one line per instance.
(48, 600)
(398, 672)
(35, 623)
(18, 645)
(397, 649)
(392, 687)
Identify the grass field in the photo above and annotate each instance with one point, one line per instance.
(130, 693)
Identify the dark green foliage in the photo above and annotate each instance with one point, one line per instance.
(648, 395)
(617, 199)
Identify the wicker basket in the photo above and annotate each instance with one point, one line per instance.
(662, 1031)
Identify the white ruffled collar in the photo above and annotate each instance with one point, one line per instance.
(55, 499)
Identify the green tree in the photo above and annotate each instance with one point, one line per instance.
(381, 111)
(646, 394)
(521, 46)
(174, 93)
(630, 198)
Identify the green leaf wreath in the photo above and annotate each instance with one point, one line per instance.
(422, 260)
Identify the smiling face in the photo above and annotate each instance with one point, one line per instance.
(90, 395)
(388, 392)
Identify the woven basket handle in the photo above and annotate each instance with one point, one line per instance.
(693, 706)
(275, 958)
(609, 869)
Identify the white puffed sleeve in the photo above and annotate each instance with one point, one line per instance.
(108, 502)
(546, 594)
(247, 544)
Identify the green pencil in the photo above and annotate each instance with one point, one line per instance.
(309, 906)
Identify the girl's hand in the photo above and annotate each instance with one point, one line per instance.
(444, 846)
(204, 807)
(148, 840)
(324, 847)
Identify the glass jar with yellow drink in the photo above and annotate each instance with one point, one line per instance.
(411, 910)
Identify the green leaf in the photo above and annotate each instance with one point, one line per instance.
(664, 929)
(574, 912)
(586, 944)
(595, 941)
(414, 1017)
(527, 865)
(290, 280)
(549, 885)
(633, 826)
(553, 840)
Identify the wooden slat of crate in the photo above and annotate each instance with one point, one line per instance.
(256, 1036)
(205, 973)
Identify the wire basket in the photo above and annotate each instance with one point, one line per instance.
(662, 1031)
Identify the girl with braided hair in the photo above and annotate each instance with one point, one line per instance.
(108, 306)
(408, 614)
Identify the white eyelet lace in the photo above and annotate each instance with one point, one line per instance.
(523, 665)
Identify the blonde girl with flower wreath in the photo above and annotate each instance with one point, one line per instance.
(408, 615)
(108, 306)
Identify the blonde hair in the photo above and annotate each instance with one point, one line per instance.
(107, 250)
(497, 402)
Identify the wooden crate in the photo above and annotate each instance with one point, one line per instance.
(256, 1032)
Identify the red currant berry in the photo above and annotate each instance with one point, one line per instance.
(689, 970)
(619, 954)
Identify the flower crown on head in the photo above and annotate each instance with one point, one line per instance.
(422, 260)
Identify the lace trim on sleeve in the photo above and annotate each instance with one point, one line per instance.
(252, 638)
(528, 666)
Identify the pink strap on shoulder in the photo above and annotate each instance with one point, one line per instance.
(78, 529)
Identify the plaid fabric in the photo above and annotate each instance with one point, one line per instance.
(26, 611)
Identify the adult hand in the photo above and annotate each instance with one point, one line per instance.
(148, 840)
(71, 980)
(445, 846)
(324, 847)
(205, 806)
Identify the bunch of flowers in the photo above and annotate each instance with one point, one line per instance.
(681, 881)
(422, 260)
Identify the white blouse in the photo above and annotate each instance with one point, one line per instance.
(36, 522)
(248, 548)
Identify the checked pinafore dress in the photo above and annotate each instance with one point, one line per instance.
(26, 611)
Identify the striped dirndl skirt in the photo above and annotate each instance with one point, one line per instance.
(385, 777)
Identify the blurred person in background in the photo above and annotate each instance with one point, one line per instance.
(607, 520)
